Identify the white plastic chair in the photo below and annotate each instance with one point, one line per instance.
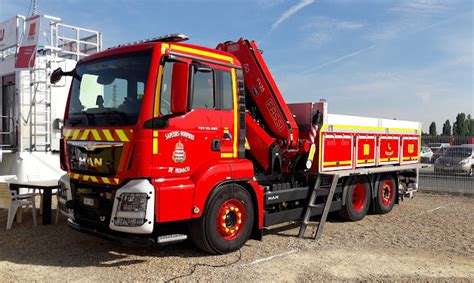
(9, 200)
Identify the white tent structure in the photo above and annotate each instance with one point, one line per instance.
(31, 109)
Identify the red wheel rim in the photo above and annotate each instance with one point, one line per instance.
(358, 197)
(230, 219)
(386, 192)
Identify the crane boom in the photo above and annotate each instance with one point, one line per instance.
(264, 93)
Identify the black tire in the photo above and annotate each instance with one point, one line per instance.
(205, 232)
(385, 194)
(357, 199)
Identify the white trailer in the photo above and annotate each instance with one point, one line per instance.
(31, 109)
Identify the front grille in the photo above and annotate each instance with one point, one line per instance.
(93, 205)
(103, 160)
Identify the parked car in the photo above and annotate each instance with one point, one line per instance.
(438, 145)
(456, 160)
(437, 153)
(426, 154)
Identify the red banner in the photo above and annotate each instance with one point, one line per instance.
(27, 51)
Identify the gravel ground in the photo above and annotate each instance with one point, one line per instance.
(428, 238)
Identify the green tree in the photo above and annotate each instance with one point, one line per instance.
(446, 128)
(470, 126)
(433, 129)
(460, 127)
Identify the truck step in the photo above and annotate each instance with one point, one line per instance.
(321, 205)
(169, 239)
(311, 223)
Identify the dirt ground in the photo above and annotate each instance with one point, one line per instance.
(428, 238)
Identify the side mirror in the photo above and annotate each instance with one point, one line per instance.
(56, 76)
(179, 88)
(57, 125)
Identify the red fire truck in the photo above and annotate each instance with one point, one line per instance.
(164, 140)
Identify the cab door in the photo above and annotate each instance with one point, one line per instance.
(225, 100)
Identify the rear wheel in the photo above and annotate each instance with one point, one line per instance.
(356, 200)
(227, 222)
(385, 194)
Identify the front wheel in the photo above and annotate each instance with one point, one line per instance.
(227, 221)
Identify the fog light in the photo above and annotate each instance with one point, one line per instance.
(119, 221)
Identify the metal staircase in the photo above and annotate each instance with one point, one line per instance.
(40, 107)
(317, 191)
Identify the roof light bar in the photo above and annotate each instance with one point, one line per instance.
(174, 37)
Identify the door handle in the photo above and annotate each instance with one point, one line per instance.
(216, 145)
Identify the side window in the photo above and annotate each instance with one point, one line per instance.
(203, 90)
(227, 101)
(165, 99)
(140, 90)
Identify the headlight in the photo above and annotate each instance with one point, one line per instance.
(133, 202)
(464, 162)
(131, 209)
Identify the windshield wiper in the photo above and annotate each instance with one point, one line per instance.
(122, 116)
(74, 122)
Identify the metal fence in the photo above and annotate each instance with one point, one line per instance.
(451, 165)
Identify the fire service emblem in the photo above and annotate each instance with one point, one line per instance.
(179, 155)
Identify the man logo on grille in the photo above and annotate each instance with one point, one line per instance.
(179, 155)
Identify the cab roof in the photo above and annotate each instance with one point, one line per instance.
(148, 44)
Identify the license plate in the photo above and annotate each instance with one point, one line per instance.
(88, 201)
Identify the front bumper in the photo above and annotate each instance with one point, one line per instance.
(453, 169)
(103, 213)
(123, 238)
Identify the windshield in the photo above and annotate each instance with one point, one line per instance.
(109, 91)
(458, 152)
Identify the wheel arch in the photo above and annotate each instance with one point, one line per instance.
(257, 203)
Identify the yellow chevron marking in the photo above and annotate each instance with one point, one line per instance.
(76, 133)
(105, 180)
(67, 134)
(116, 180)
(107, 135)
(85, 134)
(85, 177)
(96, 135)
(123, 137)
(94, 179)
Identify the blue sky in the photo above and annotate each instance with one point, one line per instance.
(405, 59)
